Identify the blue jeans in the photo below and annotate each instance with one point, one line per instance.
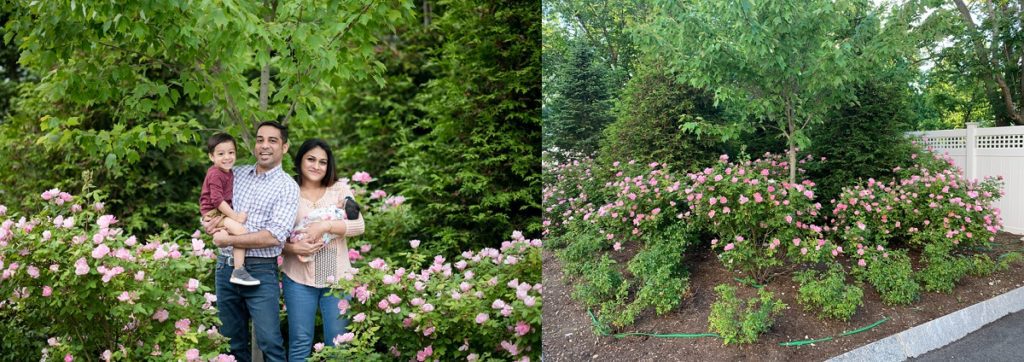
(302, 302)
(238, 304)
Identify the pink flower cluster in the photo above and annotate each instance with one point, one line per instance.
(35, 250)
(427, 302)
(753, 206)
(929, 202)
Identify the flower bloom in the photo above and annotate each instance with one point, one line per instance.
(100, 251)
(192, 355)
(481, 318)
(426, 352)
(81, 267)
(344, 338)
(362, 177)
(161, 315)
(522, 328)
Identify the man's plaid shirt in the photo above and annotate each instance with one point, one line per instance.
(271, 201)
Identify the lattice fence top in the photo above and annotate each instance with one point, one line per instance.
(950, 142)
(1009, 141)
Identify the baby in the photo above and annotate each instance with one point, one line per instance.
(346, 209)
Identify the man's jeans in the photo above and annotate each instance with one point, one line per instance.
(238, 304)
(302, 302)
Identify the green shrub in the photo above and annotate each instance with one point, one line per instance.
(892, 276)
(600, 282)
(660, 273)
(739, 322)
(861, 141)
(652, 108)
(83, 287)
(982, 265)
(829, 294)
(586, 244)
(761, 221)
(1008, 259)
(571, 191)
(943, 270)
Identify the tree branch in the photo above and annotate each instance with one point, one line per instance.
(305, 73)
(265, 72)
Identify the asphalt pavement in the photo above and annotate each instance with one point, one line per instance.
(1002, 340)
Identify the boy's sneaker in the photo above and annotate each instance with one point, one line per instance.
(242, 277)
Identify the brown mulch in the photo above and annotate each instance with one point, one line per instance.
(568, 334)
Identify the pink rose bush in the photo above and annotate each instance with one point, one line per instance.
(387, 220)
(605, 211)
(760, 221)
(930, 207)
(86, 290)
(568, 190)
(485, 303)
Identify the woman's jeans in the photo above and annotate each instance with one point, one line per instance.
(237, 305)
(302, 302)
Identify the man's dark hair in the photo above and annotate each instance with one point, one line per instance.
(280, 127)
(213, 141)
(330, 176)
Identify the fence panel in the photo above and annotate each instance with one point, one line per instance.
(981, 152)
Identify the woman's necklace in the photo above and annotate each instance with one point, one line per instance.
(313, 194)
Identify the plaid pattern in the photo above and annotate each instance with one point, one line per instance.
(271, 199)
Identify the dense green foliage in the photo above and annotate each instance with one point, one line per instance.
(651, 111)
(438, 102)
(740, 322)
(75, 284)
(787, 63)
(860, 141)
(581, 104)
(833, 85)
(829, 293)
(893, 278)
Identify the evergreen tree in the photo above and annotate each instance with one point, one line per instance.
(580, 105)
(652, 108)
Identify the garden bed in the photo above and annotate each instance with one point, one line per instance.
(568, 333)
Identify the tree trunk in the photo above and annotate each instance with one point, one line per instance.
(982, 53)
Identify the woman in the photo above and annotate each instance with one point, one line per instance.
(305, 282)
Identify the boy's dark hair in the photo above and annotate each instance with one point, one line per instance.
(275, 124)
(213, 141)
(330, 176)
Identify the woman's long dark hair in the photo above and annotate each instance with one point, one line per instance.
(331, 176)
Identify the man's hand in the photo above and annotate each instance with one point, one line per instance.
(242, 216)
(210, 225)
(220, 238)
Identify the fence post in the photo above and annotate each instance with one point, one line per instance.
(971, 148)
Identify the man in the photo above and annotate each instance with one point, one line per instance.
(270, 197)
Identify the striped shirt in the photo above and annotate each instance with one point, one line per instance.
(271, 200)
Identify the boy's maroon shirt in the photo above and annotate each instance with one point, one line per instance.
(216, 188)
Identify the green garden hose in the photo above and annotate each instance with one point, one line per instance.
(847, 333)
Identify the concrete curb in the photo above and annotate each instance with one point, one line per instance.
(937, 333)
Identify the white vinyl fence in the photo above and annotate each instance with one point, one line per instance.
(981, 152)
